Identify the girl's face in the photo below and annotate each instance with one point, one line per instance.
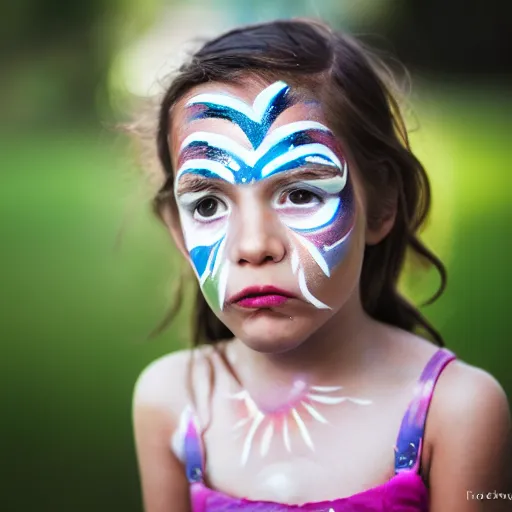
(269, 211)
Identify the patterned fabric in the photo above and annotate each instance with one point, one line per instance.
(405, 492)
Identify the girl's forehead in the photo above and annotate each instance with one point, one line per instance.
(184, 123)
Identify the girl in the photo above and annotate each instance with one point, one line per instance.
(290, 188)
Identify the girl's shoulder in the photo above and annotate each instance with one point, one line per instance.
(468, 407)
(460, 384)
(461, 391)
(468, 434)
(165, 383)
(170, 393)
(469, 397)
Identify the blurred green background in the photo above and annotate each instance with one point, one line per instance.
(76, 305)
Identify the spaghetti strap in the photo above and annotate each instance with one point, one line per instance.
(194, 463)
(410, 437)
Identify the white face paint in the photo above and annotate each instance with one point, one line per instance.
(318, 213)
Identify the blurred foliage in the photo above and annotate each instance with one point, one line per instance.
(464, 38)
(56, 56)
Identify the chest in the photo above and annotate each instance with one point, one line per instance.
(299, 458)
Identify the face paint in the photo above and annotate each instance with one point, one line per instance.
(287, 420)
(318, 212)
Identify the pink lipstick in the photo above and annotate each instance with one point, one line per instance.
(261, 297)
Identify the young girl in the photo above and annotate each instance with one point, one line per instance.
(290, 188)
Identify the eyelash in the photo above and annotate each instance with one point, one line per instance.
(287, 192)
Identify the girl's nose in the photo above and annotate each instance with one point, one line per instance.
(257, 237)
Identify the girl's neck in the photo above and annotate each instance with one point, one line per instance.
(336, 353)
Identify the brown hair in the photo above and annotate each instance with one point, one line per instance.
(362, 111)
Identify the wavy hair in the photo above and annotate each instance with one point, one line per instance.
(359, 101)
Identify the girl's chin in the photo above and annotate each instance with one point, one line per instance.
(269, 331)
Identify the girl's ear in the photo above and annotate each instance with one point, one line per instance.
(378, 229)
(171, 218)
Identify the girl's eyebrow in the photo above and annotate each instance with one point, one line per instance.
(194, 183)
(306, 173)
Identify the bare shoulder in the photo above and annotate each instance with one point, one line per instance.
(469, 419)
(405, 350)
(469, 427)
(465, 391)
(164, 383)
(159, 379)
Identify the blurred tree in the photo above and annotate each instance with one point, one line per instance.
(465, 37)
(460, 37)
(56, 54)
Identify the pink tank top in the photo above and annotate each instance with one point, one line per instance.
(404, 492)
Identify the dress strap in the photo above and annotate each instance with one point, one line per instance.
(410, 437)
(193, 451)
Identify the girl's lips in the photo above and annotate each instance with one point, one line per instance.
(262, 301)
(261, 297)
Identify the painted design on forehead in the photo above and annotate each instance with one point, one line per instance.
(211, 155)
(288, 419)
(255, 121)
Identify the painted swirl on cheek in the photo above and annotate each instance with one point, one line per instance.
(206, 246)
(205, 240)
(322, 229)
(327, 240)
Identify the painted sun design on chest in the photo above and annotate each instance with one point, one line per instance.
(290, 421)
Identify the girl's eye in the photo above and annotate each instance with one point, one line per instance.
(209, 208)
(302, 196)
(299, 197)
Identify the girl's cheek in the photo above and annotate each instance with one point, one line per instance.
(202, 240)
(198, 233)
(323, 235)
(311, 218)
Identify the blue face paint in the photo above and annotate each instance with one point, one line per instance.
(254, 122)
(247, 167)
(298, 144)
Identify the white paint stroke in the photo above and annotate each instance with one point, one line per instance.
(250, 437)
(308, 295)
(223, 282)
(266, 439)
(286, 435)
(315, 254)
(326, 389)
(303, 429)
(314, 413)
